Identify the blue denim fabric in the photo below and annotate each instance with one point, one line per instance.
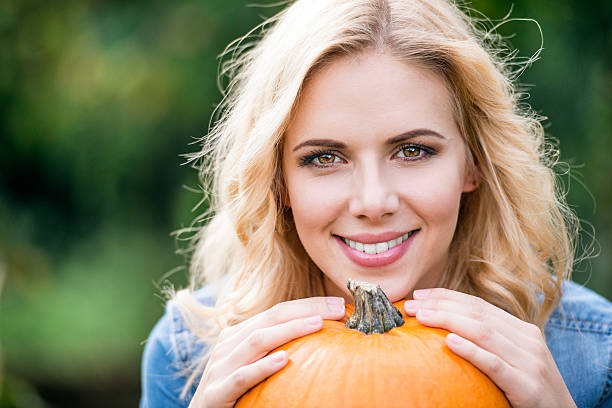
(168, 353)
(578, 334)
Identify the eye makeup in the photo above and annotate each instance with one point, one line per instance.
(322, 156)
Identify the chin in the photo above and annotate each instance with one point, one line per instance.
(395, 293)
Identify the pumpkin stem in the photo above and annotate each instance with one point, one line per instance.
(374, 313)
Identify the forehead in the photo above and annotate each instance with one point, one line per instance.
(374, 93)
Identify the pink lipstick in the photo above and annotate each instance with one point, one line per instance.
(376, 250)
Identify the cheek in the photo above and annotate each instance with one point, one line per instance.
(436, 196)
(315, 203)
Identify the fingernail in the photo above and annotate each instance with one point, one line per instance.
(425, 312)
(335, 301)
(279, 356)
(411, 306)
(313, 321)
(421, 293)
(453, 338)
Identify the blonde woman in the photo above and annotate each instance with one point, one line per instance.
(380, 140)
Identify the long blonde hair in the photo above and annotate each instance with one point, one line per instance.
(514, 239)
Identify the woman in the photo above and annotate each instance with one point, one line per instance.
(382, 141)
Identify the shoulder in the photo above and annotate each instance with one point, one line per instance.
(579, 336)
(169, 354)
(585, 305)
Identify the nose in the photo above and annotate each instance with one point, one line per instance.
(374, 195)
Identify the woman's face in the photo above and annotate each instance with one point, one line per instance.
(375, 166)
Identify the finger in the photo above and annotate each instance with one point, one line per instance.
(498, 370)
(261, 341)
(483, 334)
(331, 308)
(241, 380)
(468, 305)
(232, 330)
(475, 311)
(327, 307)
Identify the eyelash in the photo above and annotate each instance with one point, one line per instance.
(427, 151)
(310, 158)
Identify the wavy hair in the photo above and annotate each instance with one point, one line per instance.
(514, 242)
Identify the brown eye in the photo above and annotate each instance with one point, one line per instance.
(411, 151)
(414, 152)
(321, 159)
(326, 158)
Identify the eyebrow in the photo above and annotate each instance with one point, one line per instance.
(414, 133)
(396, 139)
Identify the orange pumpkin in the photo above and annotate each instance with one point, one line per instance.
(407, 366)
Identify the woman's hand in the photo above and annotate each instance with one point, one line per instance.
(239, 359)
(511, 352)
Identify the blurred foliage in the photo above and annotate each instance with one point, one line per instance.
(98, 100)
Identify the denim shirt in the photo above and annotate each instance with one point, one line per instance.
(578, 334)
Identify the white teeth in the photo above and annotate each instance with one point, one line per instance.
(382, 247)
(378, 247)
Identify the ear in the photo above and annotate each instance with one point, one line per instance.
(473, 177)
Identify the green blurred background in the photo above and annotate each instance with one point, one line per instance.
(98, 100)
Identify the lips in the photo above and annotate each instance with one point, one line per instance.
(376, 250)
(377, 247)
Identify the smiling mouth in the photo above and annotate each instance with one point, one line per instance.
(378, 247)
